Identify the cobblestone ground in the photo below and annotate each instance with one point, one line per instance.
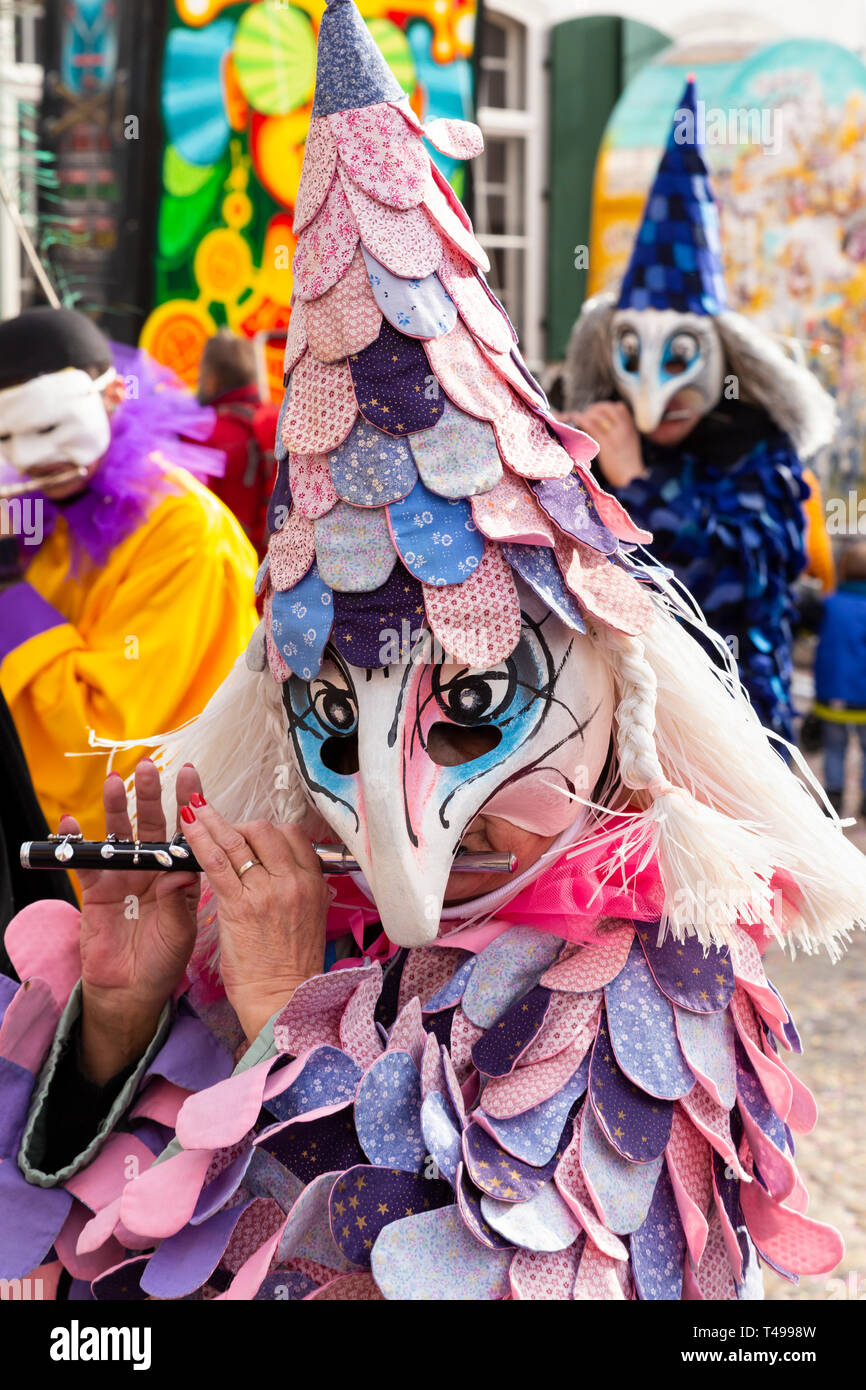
(829, 1005)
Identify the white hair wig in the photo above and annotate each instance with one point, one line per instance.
(741, 833)
(767, 376)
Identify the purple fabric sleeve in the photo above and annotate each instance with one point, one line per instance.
(24, 613)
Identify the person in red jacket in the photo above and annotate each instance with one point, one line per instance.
(245, 430)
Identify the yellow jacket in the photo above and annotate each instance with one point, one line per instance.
(131, 648)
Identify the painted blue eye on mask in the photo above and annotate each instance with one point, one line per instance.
(681, 353)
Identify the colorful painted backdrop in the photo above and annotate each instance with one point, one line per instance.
(237, 89)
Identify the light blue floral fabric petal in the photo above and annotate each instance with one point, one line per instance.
(419, 308)
(371, 468)
(434, 1256)
(302, 621)
(505, 970)
(436, 538)
(542, 1223)
(353, 548)
(388, 1113)
(459, 456)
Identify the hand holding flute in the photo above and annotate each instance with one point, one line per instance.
(138, 925)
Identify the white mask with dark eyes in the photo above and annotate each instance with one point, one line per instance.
(659, 354)
(58, 418)
(399, 761)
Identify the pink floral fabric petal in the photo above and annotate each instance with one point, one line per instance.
(467, 377)
(406, 242)
(296, 337)
(313, 492)
(449, 224)
(317, 174)
(326, 247)
(592, 967)
(603, 588)
(346, 318)
(507, 368)
(322, 408)
(382, 154)
(474, 304)
(509, 512)
(526, 444)
(291, 551)
(457, 139)
(477, 621)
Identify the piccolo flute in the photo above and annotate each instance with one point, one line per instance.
(175, 855)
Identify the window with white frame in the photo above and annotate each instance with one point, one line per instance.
(508, 178)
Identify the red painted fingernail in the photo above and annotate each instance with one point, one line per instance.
(113, 774)
(187, 815)
(197, 799)
(189, 764)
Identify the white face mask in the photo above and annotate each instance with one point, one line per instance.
(658, 354)
(58, 418)
(402, 814)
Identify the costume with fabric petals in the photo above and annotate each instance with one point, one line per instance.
(465, 1104)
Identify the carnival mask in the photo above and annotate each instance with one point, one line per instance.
(659, 354)
(58, 418)
(369, 746)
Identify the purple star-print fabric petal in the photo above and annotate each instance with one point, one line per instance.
(380, 628)
(452, 992)
(621, 1191)
(537, 567)
(121, 1284)
(543, 1223)
(469, 1206)
(568, 503)
(459, 456)
(505, 971)
(499, 1174)
(302, 621)
(388, 1113)
(307, 1232)
(437, 539)
(287, 1285)
(498, 1049)
(310, 1147)
(280, 501)
(535, 1135)
(183, 1262)
(789, 1031)
(367, 1198)
(434, 1256)
(329, 1077)
(394, 385)
(371, 468)
(354, 553)
(420, 308)
(636, 1124)
(441, 1135)
(658, 1247)
(701, 982)
(640, 1020)
(707, 1041)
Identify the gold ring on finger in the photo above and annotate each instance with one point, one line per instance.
(250, 864)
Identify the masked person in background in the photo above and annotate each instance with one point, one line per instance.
(124, 589)
(427, 1083)
(704, 424)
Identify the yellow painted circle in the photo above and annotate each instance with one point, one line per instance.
(237, 210)
(223, 265)
(175, 334)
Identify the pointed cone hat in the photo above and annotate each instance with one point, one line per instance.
(421, 474)
(676, 262)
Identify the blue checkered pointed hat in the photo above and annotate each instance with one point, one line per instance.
(676, 262)
(350, 71)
